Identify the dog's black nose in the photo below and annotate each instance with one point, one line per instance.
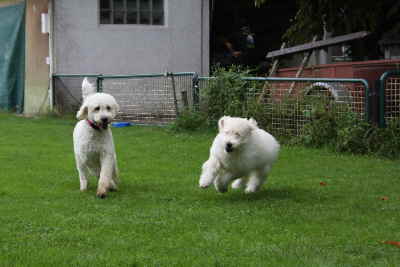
(229, 147)
(104, 120)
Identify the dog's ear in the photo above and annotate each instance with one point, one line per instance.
(221, 123)
(115, 109)
(82, 113)
(253, 123)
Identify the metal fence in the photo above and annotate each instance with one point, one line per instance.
(290, 103)
(389, 96)
(147, 99)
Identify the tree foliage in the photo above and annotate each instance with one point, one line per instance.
(341, 17)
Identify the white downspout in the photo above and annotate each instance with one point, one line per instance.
(51, 54)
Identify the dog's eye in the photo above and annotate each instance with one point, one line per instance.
(108, 108)
(96, 108)
(237, 134)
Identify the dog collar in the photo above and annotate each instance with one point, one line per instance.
(93, 125)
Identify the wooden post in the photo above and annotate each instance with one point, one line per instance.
(271, 72)
(276, 62)
(302, 65)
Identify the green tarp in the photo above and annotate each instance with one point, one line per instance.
(12, 57)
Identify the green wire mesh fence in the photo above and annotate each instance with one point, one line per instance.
(146, 99)
(288, 104)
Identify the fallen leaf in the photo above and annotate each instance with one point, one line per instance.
(394, 243)
(384, 198)
(322, 183)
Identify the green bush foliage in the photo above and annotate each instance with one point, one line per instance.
(189, 120)
(228, 94)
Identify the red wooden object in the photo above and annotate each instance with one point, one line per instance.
(369, 70)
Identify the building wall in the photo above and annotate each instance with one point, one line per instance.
(36, 69)
(81, 45)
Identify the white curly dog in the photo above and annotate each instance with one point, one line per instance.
(93, 141)
(241, 152)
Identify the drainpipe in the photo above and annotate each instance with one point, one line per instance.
(51, 54)
(202, 36)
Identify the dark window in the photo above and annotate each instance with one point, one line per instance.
(146, 12)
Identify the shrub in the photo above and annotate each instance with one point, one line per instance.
(228, 94)
(385, 142)
(352, 134)
(189, 120)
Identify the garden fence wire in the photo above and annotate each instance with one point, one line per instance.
(288, 103)
(145, 99)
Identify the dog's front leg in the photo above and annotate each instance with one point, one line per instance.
(83, 173)
(106, 175)
(209, 172)
(82, 177)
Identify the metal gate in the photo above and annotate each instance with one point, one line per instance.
(389, 97)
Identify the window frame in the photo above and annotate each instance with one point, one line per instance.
(125, 11)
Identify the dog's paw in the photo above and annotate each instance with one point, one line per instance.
(250, 190)
(203, 184)
(101, 193)
(221, 189)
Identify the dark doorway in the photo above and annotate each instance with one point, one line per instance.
(267, 24)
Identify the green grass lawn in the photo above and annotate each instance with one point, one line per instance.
(161, 218)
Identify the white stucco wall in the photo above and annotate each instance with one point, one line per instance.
(82, 45)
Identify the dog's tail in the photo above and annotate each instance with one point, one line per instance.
(87, 88)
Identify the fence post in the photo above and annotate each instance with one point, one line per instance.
(51, 93)
(99, 83)
(373, 109)
(174, 91)
(195, 89)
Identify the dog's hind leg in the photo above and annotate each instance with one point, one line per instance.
(209, 172)
(257, 179)
(238, 183)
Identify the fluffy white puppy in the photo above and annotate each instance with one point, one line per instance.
(240, 151)
(93, 141)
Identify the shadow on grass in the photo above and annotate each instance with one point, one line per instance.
(270, 194)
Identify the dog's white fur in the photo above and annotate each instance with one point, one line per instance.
(241, 152)
(87, 88)
(94, 147)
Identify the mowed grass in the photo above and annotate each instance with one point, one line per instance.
(317, 209)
